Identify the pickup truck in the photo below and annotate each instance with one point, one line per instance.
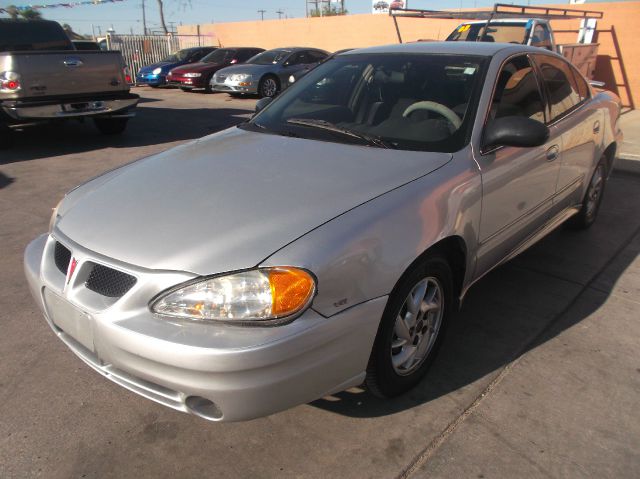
(44, 78)
(535, 32)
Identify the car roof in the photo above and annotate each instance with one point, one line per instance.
(451, 48)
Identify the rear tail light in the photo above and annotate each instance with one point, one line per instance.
(9, 82)
(127, 75)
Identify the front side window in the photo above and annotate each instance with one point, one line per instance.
(517, 91)
(560, 84)
(541, 36)
(402, 101)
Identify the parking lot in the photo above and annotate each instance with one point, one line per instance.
(538, 377)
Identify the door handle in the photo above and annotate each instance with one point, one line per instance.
(552, 153)
(596, 127)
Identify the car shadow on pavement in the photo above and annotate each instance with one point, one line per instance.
(151, 126)
(519, 306)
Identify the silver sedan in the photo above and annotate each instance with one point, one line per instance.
(329, 240)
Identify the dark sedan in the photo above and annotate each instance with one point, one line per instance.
(156, 74)
(267, 73)
(198, 75)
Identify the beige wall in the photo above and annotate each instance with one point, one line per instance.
(618, 57)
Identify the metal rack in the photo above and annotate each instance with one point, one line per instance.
(499, 10)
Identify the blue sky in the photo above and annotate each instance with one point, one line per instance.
(127, 15)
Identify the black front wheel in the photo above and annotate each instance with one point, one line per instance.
(268, 86)
(411, 328)
(111, 126)
(592, 198)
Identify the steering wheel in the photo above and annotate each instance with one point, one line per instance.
(443, 110)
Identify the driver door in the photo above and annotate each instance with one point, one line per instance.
(518, 184)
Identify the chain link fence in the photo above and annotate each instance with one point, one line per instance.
(141, 50)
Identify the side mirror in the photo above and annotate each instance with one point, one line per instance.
(515, 131)
(262, 103)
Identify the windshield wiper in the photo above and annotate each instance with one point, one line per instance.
(328, 126)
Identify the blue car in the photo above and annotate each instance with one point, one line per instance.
(156, 75)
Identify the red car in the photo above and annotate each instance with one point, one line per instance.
(198, 75)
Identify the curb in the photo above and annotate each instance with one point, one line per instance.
(628, 163)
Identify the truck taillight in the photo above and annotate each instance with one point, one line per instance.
(9, 82)
(127, 75)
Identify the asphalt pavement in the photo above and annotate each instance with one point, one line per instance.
(539, 375)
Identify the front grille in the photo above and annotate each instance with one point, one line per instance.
(109, 282)
(62, 257)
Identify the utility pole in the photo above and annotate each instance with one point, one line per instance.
(171, 27)
(280, 13)
(144, 20)
(261, 12)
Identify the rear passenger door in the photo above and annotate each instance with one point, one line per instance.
(518, 184)
(576, 122)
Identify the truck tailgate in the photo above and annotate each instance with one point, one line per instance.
(69, 73)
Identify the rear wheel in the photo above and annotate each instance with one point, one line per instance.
(268, 86)
(592, 198)
(411, 328)
(111, 126)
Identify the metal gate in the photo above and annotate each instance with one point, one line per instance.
(141, 50)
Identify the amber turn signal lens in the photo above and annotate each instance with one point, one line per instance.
(291, 290)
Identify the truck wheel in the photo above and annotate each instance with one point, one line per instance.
(6, 137)
(111, 126)
(411, 328)
(592, 199)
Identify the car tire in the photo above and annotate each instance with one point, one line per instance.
(592, 198)
(111, 126)
(269, 86)
(6, 137)
(413, 323)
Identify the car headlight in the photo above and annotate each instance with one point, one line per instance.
(192, 75)
(54, 215)
(292, 79)
(157, 71)
(239, 77)
(264, 295)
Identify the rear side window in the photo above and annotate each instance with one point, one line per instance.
(517, 91)
(16, 36)
(560, 84)
(316, 56)
(583, 88)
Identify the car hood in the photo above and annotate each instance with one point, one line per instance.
(229, 200)
(197, 67)
(250, 69)
(164, 65)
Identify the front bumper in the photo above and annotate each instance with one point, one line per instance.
(245, 372)
(187, 82)
(150, 79)
(73, 107)
(235, 87)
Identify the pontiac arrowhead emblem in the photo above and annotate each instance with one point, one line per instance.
(71, 269)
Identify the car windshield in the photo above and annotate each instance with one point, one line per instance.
(179, 56)
(217, 56)
(269, 58)
(402, 101)
(502, 32)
